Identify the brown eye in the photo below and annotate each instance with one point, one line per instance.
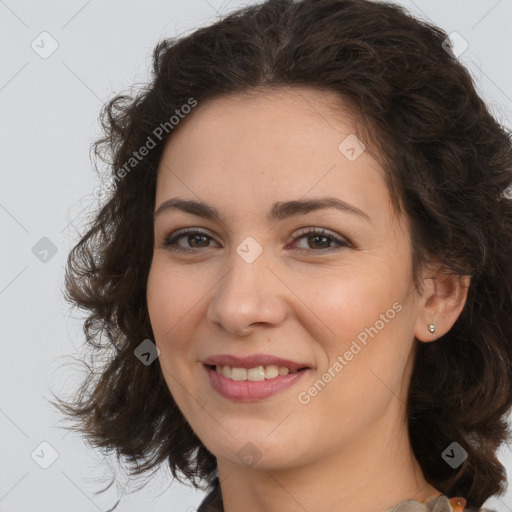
(195, 240)
(319, 239)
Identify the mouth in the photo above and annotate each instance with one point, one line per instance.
(252, 384)
(255, 373)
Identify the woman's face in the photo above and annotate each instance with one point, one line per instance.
(340, 302)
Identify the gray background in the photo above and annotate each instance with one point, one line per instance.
(49, 111)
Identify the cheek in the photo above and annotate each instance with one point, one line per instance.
(176, 299)
(171, 299)
(348, 302)
(171, 294)
(365, 333)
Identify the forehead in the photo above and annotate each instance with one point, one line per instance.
(270, 145)
(276, 117)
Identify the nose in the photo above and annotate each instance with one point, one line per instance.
(249, 296)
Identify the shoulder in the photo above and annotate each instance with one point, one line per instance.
(440, 503)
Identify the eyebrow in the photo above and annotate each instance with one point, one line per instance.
(279, 211)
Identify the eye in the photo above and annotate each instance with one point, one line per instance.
(194, 236)
(317, 239)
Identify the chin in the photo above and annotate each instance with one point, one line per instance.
(259, 452)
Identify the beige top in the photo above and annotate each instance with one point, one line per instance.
(213, 503)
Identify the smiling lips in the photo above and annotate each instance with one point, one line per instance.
(252, 378)
(254, 374)
(253, 361)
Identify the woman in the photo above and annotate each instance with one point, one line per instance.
(304, 267)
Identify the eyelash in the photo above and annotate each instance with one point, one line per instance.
(170, 241)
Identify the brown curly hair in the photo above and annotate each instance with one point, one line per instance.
(448, 164)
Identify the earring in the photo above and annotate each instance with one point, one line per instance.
(432, 329)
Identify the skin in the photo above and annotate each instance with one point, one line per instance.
(349, 445)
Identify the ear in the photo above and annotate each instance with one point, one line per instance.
(441, 302)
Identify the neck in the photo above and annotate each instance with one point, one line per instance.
(372, 474)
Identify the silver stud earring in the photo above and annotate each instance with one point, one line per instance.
(432, 329)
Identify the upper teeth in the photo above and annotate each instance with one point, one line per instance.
(257, 373)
